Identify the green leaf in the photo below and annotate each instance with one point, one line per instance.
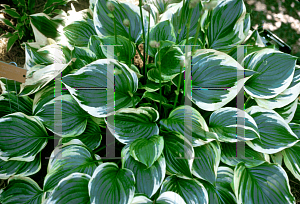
(287, 112)
(219, 195)
(147, 150)
(12, 12)
(24, 139)
(275, 133)
(191, 190)
(286, 97)
(55, 53)
(148, 180)
(8, 23)
(169, 197)
(17, 103)
(94, 46)
(191, 42)
(19, 168)
(269, 64)
(79, 32)
(141, 199)
(227, 26)
(196, 132)
(73, 117)
(78, 193)
(94, 75)
(69, 158)
(19, 186)
(291, 159)
(11, 41)
(207, 159)
(91, 137)
(162, 31)
(132, 123)
(295, 128)
(156, 97)
(84, 54)
(179, 154)
(36, 80)
(109, 184)
(178, 15)
(296, 118)
(267, 183)
(224, 177)
(125, 50)
(229, 156)
(170, 62)
(214, 69)
(224, 122)
(105, 25)
(44, 25)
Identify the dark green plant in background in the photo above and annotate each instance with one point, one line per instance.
(21, 13)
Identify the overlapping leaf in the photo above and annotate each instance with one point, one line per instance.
(17, 188)
(291, 159)
(109, 184)
(148, 180)
(191, 190)
(132, 123)
(93, 77)
(219, 71)
(275, 133)
(73, 118)
(71, 189)
(69, 158)
(266, 183)
(225, 121)
(22, 137)
(274, 73)
(196, 132)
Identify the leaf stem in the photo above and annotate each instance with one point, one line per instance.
(180, 75)
(115, 34)
(144, 57)
(159, 65)
(129, 54)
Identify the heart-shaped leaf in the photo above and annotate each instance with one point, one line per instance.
(19, 186)
(69, 158)
(160, 32)
(269, 64)
(132, 123)
(275, 133)
(179, 154)
(24, 139)
(78, 193)
(109, 184)
(191, 190)
(147, 151)
(266, 183)
(78, 32)
(207, 159)
(284, 98)
(225, 122)
(73, 118)
(196, 132)
(215, 79)
(93, 95)
(224, 33)
(148, 180)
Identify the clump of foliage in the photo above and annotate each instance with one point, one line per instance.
(176, 138)
(22, 12)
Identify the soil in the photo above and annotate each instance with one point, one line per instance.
(279, 16)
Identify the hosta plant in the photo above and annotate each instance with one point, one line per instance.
(151, 134)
